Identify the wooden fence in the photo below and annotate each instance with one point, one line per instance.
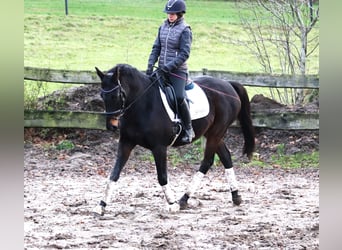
(96, 120)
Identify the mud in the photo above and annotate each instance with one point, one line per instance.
(280, 208)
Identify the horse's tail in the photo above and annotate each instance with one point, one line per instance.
(245, 120)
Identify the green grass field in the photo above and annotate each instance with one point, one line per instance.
(103, 33)
(106, 32)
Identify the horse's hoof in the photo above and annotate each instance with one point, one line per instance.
(183, 202)
(173, 208)
(236, 198)
(98, 211)
(237, 201)
(183, 205)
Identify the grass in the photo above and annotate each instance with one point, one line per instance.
(65, 145)
(106, 32)
(297, 160)
(193, 154)
(103, 33)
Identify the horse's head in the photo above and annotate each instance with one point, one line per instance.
(113, 96)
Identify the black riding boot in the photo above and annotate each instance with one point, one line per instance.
(185, 117)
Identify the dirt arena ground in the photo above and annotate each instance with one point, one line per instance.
(280, 208)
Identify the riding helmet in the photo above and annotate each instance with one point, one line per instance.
(175, 6)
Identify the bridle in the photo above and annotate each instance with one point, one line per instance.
(122, 95)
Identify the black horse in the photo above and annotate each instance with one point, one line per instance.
(133, 102)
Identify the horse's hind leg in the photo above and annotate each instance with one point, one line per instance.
(225, 157)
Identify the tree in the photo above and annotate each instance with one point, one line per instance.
(280, 30)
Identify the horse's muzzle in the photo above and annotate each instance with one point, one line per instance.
(112, 123)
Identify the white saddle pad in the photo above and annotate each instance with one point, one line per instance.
(198, 103)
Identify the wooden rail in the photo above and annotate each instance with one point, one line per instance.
(249, 79)
(95, 120)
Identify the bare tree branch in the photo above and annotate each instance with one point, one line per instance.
(279, 29)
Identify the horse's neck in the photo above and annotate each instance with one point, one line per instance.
(140, 90)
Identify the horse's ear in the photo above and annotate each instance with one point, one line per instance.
(99, 73)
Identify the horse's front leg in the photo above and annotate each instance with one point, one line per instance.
(124, 151)
(206, 163)
(160, 157)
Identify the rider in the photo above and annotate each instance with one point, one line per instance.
(171, 49)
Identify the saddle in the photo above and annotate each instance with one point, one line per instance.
(197, 99)
(169, 92)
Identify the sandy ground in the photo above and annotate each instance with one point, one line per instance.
(280, 208)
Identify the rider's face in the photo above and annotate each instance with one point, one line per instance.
(172, 17)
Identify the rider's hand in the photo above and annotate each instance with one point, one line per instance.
(149, 71)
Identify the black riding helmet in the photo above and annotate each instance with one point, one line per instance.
(175, 6)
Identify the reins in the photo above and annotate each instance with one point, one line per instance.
(142, 94)
(123, 109)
